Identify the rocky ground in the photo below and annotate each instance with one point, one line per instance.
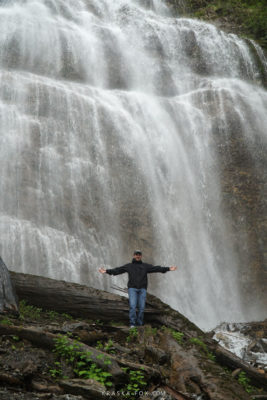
(48, 355)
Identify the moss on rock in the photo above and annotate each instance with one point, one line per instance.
(245, 17)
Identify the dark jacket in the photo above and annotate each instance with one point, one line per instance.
(137, 273)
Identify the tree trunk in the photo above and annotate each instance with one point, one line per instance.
(8, 300)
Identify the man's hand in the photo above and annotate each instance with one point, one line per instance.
(173, 268)
(102, 270)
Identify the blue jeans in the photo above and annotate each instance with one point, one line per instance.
(137, 299)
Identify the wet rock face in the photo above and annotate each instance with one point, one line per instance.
(242, 175)
(242, 160)
(242, 178)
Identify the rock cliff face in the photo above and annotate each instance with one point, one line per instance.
(243, 178)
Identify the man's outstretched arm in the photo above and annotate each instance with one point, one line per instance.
(157, 268)
(114, 271)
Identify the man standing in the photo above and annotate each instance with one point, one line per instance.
(137, 284)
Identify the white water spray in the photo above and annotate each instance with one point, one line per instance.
(107, 113)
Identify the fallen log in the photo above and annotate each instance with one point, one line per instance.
(88, 388)
(39, 338)
(149, 371)
(230, 360)
(72, 298)
(87, 302)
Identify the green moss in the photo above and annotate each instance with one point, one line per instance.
(249, 16)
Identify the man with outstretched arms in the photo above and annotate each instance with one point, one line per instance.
(137, 284)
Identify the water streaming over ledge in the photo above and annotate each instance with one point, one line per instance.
(107, 115)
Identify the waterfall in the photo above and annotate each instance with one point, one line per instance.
(111, 112)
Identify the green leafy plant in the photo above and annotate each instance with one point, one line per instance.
(99, 322)
(135, 384)
(5, 321)
(99, 345)
(67, 316)
(29, 311)
(115, 323)
(56, 372)
(81, 361)
(227, 371)
(178, 336)
(203, 347)
(32, 312)
(245, 382)
(52, 315)
(149, 331)
(109, 347)
(133, 334)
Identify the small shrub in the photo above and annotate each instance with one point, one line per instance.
(81, 362)
(149, 331)
(5, 321)
(198, 342)
(245, 382)
(29, 311)
(56, 372)
(178, 336)
(135, 384)
(67, 316)
(133, 334)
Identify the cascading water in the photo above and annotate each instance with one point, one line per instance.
(107, 116)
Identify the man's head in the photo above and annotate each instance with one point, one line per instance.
(137, 255)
